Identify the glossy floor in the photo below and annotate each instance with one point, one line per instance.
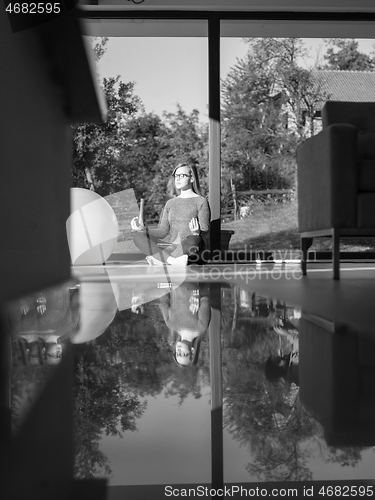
(206, 374)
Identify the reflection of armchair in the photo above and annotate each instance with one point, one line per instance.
(336, 177)
(337, 377)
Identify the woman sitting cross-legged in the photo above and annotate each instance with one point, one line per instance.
(185, 220)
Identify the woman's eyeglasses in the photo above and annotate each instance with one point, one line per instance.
(181, 176)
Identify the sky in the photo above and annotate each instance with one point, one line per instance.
(167, 71)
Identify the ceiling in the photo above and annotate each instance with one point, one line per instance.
(239, 18)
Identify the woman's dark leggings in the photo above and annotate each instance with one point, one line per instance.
(192, 245)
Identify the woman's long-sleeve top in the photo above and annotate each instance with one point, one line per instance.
(177, 215)
(177, 314)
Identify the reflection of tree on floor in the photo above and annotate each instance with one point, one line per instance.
(131, 360)
(102, 405)
(268, 417)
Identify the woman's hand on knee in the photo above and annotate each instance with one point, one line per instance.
(135, 225)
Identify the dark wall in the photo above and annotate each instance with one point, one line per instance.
(35, 164)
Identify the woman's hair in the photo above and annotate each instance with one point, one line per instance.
(194, 173)
(196, 345)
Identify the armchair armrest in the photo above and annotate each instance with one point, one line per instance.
(328, 179)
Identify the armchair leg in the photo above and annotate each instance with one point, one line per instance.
(336, 254)
(305, 245)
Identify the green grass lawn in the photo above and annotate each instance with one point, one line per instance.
(275, 227)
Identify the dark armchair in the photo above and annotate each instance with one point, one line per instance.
(336, 177)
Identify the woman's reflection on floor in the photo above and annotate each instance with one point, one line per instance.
(187, 313)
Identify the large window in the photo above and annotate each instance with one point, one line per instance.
(156, 89)
(271, 101)
(262, 117)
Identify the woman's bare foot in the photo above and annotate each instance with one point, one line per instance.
(153, 262)
(137, 303)
(178, 261)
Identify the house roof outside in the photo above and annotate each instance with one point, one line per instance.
(352, 86)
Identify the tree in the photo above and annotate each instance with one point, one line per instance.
(96, 147)
(99, 46)
(255, 138)
(343, 54)
(266, 98)
(137, 153)
(279, 59)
